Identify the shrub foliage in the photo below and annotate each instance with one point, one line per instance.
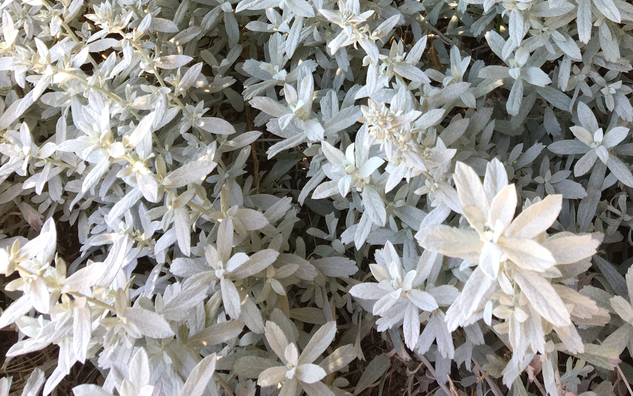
(253, 185)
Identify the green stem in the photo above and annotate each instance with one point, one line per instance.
(147, 59)
(94, 301)
(107, 93)
(69, 31)
(200, 208)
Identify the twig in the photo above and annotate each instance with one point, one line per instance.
(482, 377)
(431, 369)
(628, 386)
(495, 389)
(452, 386)
(540, 387)
(435, 30)
(412, 372)
(223, 383)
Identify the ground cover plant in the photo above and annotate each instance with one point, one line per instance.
(285, 197)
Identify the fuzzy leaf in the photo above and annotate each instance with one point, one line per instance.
(543, 297)
(374, 370)
(536, 219)
(149, 323)
(200, 376)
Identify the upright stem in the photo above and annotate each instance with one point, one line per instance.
(107, 93)
(69, 31)
(94, 301)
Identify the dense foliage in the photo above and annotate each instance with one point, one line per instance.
(255, 185)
